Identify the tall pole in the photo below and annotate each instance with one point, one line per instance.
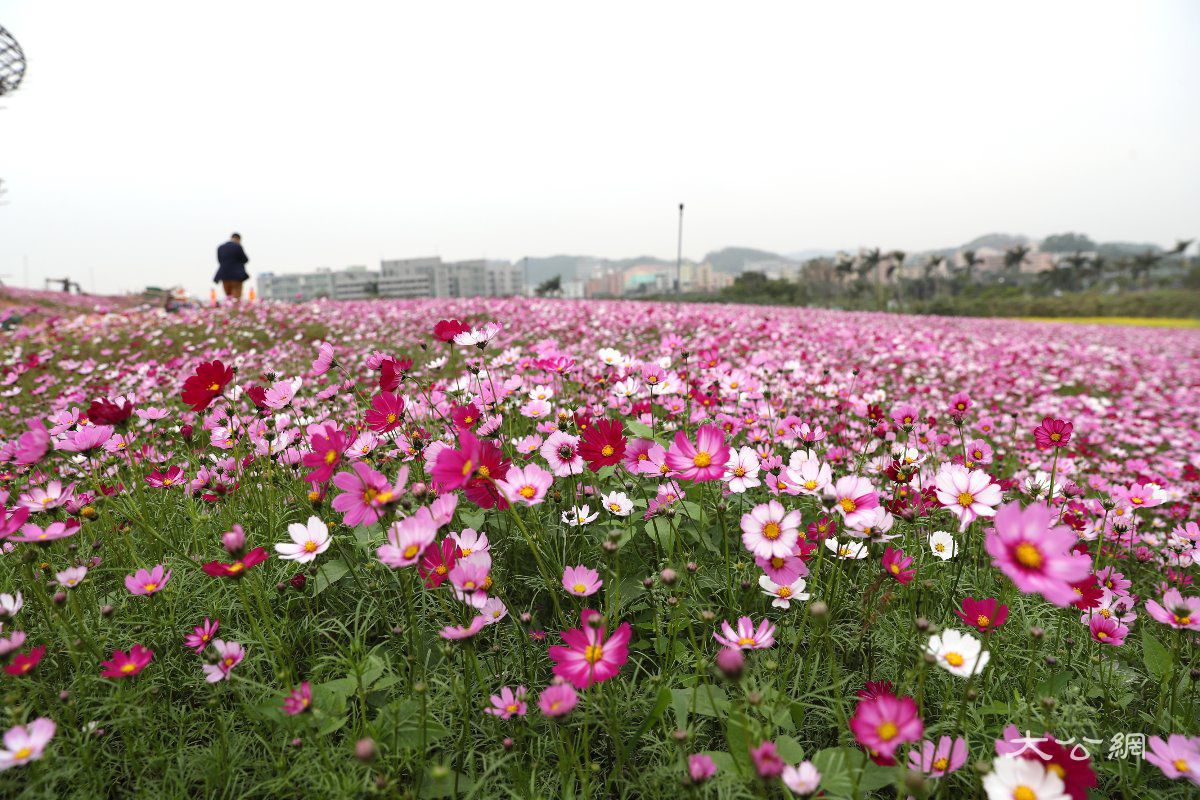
(525, 277)
(679, 255)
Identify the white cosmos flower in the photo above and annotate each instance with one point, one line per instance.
(741, 471)
(1009, 776)
(958, 653)
(308, 541)
(617, 503)
(943, 545)
(580, 515)
(783, 594)
(847, 549)
(11, 604)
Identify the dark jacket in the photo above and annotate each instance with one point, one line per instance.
(232, 260)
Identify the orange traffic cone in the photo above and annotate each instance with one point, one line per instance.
(212, 295)
(251, 294)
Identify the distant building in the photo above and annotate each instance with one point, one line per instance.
(411, 277)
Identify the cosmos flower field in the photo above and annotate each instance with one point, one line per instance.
(534, 548)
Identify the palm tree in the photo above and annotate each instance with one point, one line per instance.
(1095, 269)
(843, 268)
(1142, 264)
(896, 267)
(1181, 246)
(868, 262)
(1077, 261)
(970, 262)
(1014, 257)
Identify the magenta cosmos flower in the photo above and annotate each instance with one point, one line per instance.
(701, 767)
(365, 493)
(557, 700)
(508, 703)
(587, 657)
(581, 581)
(147, 582)
(1107, 630)
(967, 495)
(299, 701)
(884, 722)
(126, 665)
(897, 565)
(768, 531)
(704, 461)
(1176, 610)
(1036, 554)
(1052, 433)
(407, 539)
(747, 637)
(202, 634)
(767, 761)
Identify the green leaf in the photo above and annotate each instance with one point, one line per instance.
(399, 725)
(640, 430)
(1156, 657)
(329, 573)
(660, 705)
(738, 738)
(1054, 685)
(789, 749)
(834, 764)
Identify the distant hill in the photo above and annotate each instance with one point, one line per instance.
(996, 241)
(733, 259)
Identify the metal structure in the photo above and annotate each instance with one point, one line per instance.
(12, 63)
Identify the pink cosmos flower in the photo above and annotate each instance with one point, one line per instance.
(1107, 630)
(456, 632)
(747, 637)
(1177, 757)
(561, 451)
(557, 699)
(436, 562)
(770, 532)
(581, 581)
(365, 493)
(526, 485)
(936, 760)
(202, 634)
(11, 520)
(328, 447)
(31, 533)
(701, 767)
(1176, 610)
(229, 655)
(767, 761)
(508, 703)
(853, 494)
(1035, 554)
(386, 412)
(33, 444)
(11, 643)
(587, 657)
(884, 722)
(126, 665)
(299, 701)
(454, 468)
(44, 499)
(324, 359)
(801, 779)
(704, 461)
(146, 583)
(967, 495)
(25, 743)
(408, 539)
(86, 439)
(469, 580)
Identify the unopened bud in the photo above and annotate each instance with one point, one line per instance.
(668, 576)
(364, 749)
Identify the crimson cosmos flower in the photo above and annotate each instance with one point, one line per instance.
(602, 444)
(106, 412)
(206, 384)
(235, 569)
(1052, 433)
(23, 663)
(447, 329)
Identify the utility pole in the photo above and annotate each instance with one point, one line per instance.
(679, 256)
(525, 277)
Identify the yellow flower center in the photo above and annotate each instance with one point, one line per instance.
(983, 621)
(965, 499)
(150, 587)
(887, 731)
(745, 641)
(954, 659)
(895, 568)
(1183, 620)
(1180, 765)
(941, 548)
(468, 467)
(228, 661)
(128, 667)
(771, 531)
(237, 566)
(391, 417)
(369, 495)
(702, 459)
(1101, 635)
(607, 450)
(411, 551)
(1023, 792)
(848, 505)
(527, 492)
(331, 456)
(1028, 555)
(785, 592)
(484, 471)
(310, 546)
(579, 587)
(214, 387)
(511, 708)
(941, 764)
(810, 485)
(614, 507)
(593, 653)
(24, 752)
(739, 472)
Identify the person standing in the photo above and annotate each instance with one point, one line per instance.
(231, 269)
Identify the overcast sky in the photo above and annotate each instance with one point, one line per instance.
(338, 133)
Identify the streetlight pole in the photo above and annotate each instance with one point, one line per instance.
(679, 255)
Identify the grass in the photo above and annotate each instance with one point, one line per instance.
(1146, 322)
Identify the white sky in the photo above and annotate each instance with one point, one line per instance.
(337, 133)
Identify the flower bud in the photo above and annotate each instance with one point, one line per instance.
(234, 541)
(818, 610)
(668, 576)
(731, 662)
(364, 749)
